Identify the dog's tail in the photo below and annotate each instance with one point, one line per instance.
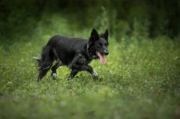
(45, 61)
(38, 60)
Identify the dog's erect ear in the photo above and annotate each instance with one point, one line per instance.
(105, 35)
(94, 36)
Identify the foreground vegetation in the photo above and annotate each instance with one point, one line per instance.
(140, 80)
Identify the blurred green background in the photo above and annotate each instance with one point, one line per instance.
(141, 79)
(149, 18)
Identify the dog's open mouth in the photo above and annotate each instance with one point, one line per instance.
(101, 58)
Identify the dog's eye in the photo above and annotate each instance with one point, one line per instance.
(99, 45)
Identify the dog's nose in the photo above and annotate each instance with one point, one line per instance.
(106, 52)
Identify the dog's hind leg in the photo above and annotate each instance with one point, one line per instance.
(54, 68)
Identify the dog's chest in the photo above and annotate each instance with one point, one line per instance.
(87, 61)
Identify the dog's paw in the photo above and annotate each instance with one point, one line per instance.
(54, 76)
(95, 75)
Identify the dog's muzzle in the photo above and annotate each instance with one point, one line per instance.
(105, 52)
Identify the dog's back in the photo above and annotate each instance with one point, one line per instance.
(65, 48)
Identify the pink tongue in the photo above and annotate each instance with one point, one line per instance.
(102, 58)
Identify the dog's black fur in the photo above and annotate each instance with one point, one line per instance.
(76, 53)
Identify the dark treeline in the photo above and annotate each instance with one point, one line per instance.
(149, 18)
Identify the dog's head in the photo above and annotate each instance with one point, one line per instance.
(97, 45)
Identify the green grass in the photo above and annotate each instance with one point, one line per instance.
(140, 81)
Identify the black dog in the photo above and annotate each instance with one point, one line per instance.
(76, 53)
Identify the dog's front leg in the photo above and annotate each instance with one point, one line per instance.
(78, 64)
(90, 70)
(72, 74)
(95, 75)
(77, 68)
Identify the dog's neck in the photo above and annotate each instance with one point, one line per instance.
(87, 50)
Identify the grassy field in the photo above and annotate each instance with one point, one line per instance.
(140, 81)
